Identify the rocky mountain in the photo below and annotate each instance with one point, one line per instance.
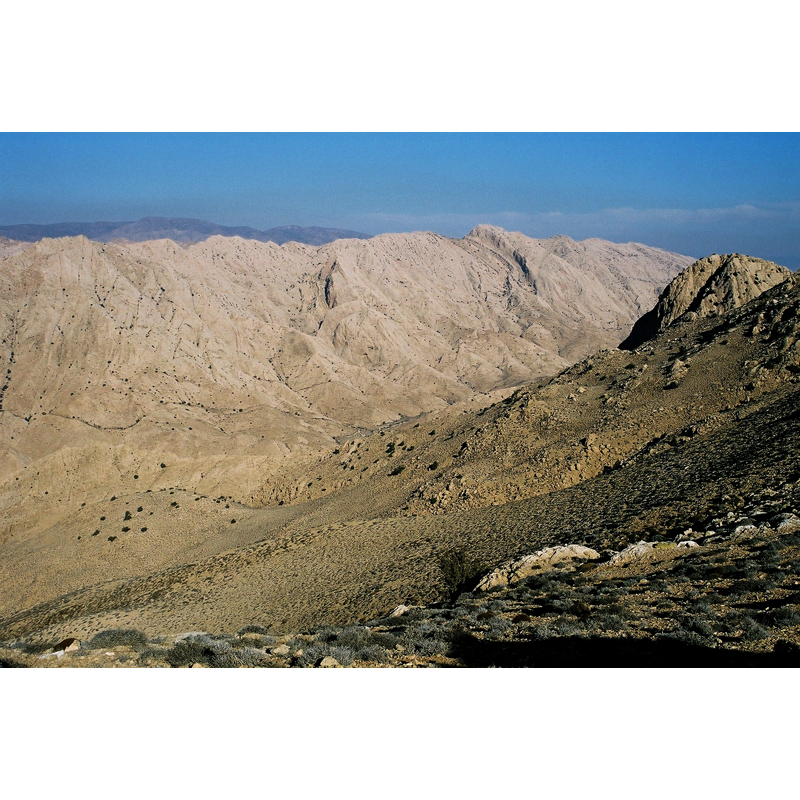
(223, 359)
(676, 465)
(180, 517)
(708, 287)
(177, 229)
(9, 246)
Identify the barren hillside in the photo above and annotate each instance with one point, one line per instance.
(151, 365)
(619, 447)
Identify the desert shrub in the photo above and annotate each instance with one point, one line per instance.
(353, 637)
(215, 652)
(127, 516)
(34, 648)
(460, 569)
(538, 582)
(781, 616)
(751, 630)
(609, 622)
(398, 469)
(698, 625)
(580, 609)
(540, 633)
(755, 585)
(431, 647)
(386, 640)
(433, 465)
(344, 655)
(498, 626)
(684, 637)
(566, 627)
(254, 629)
(250, 656)
(118, 637)
(326, 634)
(313, 654)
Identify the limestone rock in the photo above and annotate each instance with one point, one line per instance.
(548, 558)
(329, 661)
(632, 552)
(709, 287)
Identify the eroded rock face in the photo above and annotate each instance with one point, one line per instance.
(709, 287)
(548, 558)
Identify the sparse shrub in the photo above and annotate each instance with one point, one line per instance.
(781, 616)
(313, 654)
(353, 637)
(433, 465)
(698, 625)
(498, 626)
(398, 469)
(253, 629)
(372, 652)
(541, 632)
(127, 516)
(459, 569)
(118, 637)
(751, 630)
(566, 627)
(344, 655)
(609, 622)
(207, 650)
(112, 538)
(431, 647)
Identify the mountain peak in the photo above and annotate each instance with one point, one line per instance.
(708, 287)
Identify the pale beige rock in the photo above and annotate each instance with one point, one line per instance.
(709, 287)
(329, 661)
(548, 558)
(632, 553)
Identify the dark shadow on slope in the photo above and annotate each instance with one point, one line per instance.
(604, 652)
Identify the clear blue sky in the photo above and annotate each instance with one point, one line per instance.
(692, 193)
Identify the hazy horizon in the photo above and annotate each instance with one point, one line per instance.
(688, 193)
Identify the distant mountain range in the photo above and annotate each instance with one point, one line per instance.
(177, 229)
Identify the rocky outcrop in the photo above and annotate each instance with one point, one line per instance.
(709, 287)
(548, 558)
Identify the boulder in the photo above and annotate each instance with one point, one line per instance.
(632, 552)
(548, 558)
(329, 661)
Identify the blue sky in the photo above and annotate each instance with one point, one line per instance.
(693, 193)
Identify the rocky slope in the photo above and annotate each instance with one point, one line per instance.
(695, 430)
(151, 365)
(707, 288)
